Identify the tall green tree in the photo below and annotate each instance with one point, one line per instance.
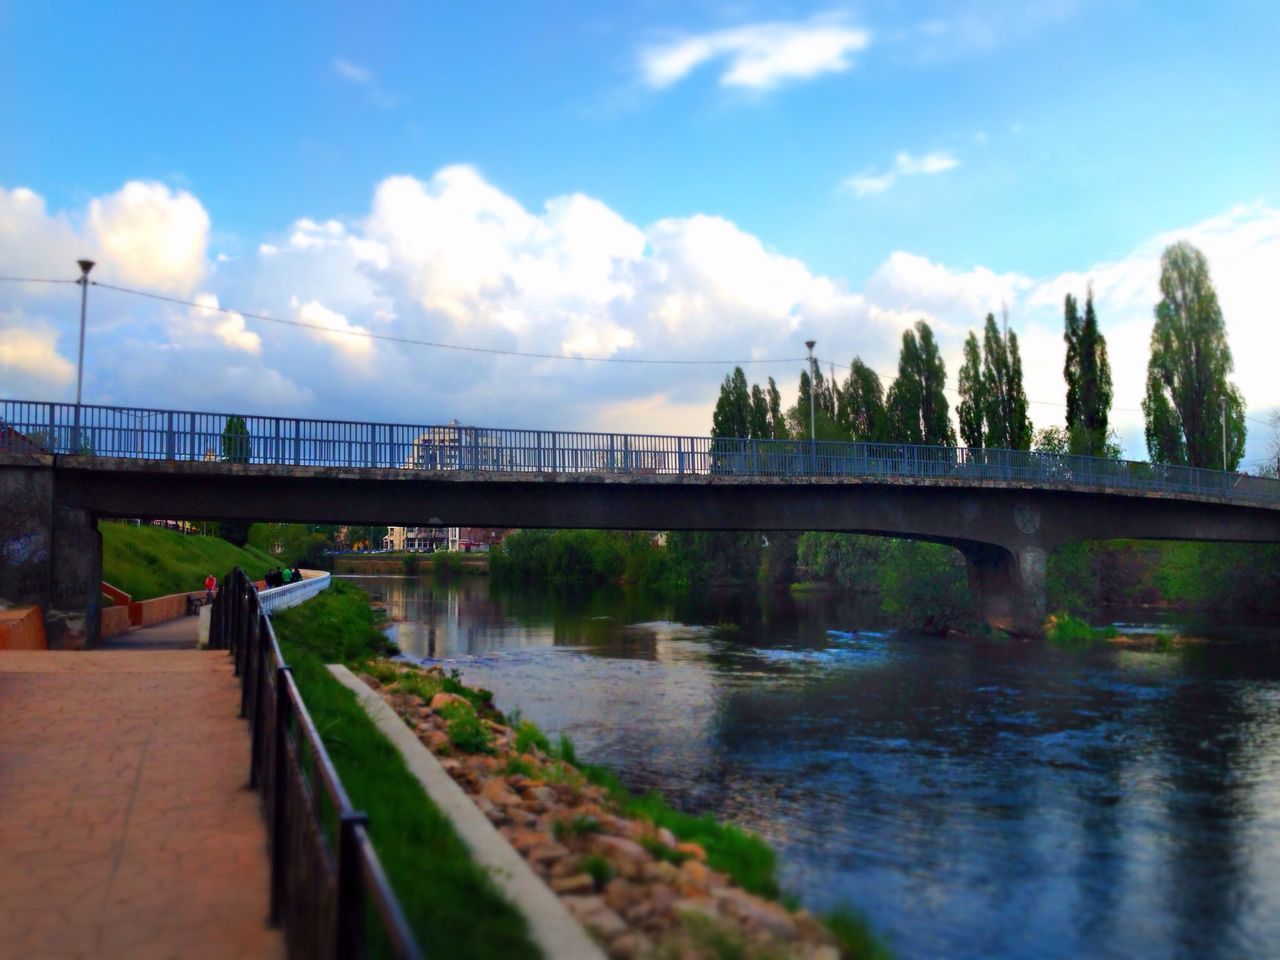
(758, 426)
(1007, 423)
(732, 416)
(235, 441)
(826, 426)
(972, 411)
(1088, 374)
(1187, 387)
(860, 404)
(235, 449)
(777, 422)
(917, 407)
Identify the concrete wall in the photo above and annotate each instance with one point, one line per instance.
(22, 628)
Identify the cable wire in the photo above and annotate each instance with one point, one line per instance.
(431, 343)
(34, 280)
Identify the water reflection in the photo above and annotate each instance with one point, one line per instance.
(977, 799)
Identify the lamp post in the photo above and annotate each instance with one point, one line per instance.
(85, 267)
(1224, 431)
(813, 437)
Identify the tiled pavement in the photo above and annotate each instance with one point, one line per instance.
(127, 828)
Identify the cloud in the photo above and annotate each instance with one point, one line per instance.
(453, 259)
(351, 71)
(28, 349)
(758, 56)
(147, 235)
(904, 165)
(228, 327)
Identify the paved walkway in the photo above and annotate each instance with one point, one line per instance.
(126, 825)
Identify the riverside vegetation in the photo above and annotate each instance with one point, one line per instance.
(147, 561)
(648, 880)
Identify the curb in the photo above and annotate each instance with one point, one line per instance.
(552, 928)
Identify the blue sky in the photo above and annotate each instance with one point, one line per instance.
(869, 163)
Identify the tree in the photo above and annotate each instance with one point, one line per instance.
(1052, 440)
(1187, 386)
(777, 422)
(1008, 425)
(732, 416)
(235, 441)
(973, 395)
(235, 449)
(758, 425)
(860, 404)
(917, 407)
(1088, 374)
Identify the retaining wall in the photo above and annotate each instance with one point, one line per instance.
(22, 628)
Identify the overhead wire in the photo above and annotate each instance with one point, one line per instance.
(412, 341)
(495, 351)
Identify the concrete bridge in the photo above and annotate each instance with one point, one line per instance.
(62, 468)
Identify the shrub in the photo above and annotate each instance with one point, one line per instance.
(466, 730)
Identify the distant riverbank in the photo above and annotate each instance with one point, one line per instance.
(411, 563)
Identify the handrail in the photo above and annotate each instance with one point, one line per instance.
(325, 873)
(148, 434)
(276, 599)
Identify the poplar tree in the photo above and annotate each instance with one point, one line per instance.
(1187, 386)
(1007, 423)
(777, 422)
(732, 416)
(973, 395)
(860, 404)
(917, 407)
(1088, 374)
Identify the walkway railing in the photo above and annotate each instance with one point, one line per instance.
(177, 435)
(292, 594)
(326, 879)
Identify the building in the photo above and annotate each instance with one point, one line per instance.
(416, 539)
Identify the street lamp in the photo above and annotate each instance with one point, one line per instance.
(1223, 398)
(813, 437)
(85, 267)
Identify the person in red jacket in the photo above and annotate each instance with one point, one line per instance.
(210, 584)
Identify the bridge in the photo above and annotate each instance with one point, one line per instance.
(62, 467)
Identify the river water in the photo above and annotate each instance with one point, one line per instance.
(972, 798)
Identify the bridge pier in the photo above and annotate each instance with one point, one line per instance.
(1008, 586)
(50, 555)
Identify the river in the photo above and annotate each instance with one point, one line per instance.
(973, 798)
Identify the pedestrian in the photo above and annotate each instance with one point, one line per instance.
(210, 585)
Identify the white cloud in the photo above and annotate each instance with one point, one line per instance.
(335, 328)
(904, 165)
(453, 259)
(352, 71)
(757, 56)
(29, 349)
(228, 327)
(150, 236)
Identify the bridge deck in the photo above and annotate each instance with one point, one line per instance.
(128, 829)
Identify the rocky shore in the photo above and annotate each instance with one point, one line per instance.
(642, 891)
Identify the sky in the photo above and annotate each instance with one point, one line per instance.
(643, 181)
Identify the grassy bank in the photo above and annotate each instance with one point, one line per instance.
(148, 561)
(449, 901)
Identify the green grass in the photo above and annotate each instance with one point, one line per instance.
(148, 561)
(1071, 633)
(854, 936)
(450, 903)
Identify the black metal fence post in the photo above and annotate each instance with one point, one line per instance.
(279, 794)
(349, 913)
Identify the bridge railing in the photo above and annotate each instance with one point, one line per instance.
(151, 434)
(328, 889)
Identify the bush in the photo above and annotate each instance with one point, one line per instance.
(466, 730)
(924, 586)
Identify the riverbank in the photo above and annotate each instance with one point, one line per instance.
(648, 880)
(412, 564)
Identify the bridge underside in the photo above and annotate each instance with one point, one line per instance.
(1006, 530)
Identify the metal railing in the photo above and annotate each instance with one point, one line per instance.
(292, 594)
(35, 427)
(326, 878)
